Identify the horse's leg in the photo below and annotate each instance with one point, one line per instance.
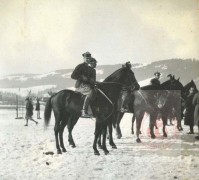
(71, 123)
(104, 132)
(58, 118)
(62, 126)
(139, 118)
(151, 124)
(119, 116)
(132, 127)
(98, 130)
(99, 142)
(111, 136)
(179, 126)
(164, 119)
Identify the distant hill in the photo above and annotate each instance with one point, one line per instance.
(60, 79)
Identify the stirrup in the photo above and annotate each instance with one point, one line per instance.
(84, 114)
(123, 110)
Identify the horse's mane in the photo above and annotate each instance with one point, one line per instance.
(166, 83)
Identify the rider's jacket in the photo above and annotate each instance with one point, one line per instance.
(85, 74)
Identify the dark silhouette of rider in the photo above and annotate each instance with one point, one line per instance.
(126, 91)
(155, 81)
(85, 74)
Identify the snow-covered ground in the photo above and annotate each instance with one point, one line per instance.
(22, 148)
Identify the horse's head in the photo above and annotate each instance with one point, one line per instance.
(188, 86)
(124, 76)
(161, 98)
(172, 84)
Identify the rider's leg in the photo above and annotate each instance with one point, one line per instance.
(86, 104)
(124, 107)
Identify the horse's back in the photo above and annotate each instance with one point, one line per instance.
(66, 99)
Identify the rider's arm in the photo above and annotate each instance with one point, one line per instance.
(76, 73)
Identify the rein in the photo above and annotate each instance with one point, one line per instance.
(109, 101)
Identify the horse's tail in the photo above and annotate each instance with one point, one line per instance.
(47, 112)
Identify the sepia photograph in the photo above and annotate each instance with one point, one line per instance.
(99, 89)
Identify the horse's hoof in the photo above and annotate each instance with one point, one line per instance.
(106, 152)
(59, 152)
(96, 153)
(153, 137)
(99, 146)
(165, 135)
(114, 146)
(132, 132)
(138, 140)
(64, 150)
(119, 136)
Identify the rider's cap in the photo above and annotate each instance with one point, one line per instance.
(157, 73)
(92, 60)
(86, 54)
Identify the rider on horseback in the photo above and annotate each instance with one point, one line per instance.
(126, 91)
(85, 74)
(155, 81)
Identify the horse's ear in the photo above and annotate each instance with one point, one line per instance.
(168, 75)
(178, 79)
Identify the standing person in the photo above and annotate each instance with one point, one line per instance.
(155, 81)
(85, 74)
(38, 109)
(189, 110)
(196, 112)
(29, 111)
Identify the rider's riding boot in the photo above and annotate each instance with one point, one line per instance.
(123, 106)
(84, 113)
(124, 103)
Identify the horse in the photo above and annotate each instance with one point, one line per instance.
(144, 101)
(177, 88)
(126, 78)
(67, 106)
(140, 101)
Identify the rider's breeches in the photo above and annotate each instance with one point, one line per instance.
(88, 99)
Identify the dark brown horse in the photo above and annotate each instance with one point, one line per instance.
(153, 100)
(67, 106)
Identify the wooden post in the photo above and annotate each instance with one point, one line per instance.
(17, 107)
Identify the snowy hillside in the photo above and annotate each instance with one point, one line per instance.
(60, 79)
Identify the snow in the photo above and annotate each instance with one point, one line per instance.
(139, 65)
(22, 153)
(11, 77)
(25, 91)
(145, 82)
(100, 71)
(45, 75)
(67, 75)
(165, 67)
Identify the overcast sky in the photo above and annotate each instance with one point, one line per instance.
(38, 36)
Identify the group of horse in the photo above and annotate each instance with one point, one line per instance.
(164, 100)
